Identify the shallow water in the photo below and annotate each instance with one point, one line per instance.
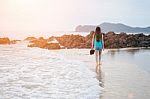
(33, 73)
(127, 74)
(124, 73)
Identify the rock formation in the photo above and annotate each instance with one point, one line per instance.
(30, 38)
(111, 40)
(72, 41)
(4, 41)
(44, 43)
(123, 40)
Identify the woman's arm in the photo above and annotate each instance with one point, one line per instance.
(103, 42)
(93, 41)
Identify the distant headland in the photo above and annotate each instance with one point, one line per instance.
(115, 27)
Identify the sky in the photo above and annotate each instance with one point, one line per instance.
(24, 16)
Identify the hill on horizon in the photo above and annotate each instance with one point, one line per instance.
(115, 27)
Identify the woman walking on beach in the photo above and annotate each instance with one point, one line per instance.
(98, 45)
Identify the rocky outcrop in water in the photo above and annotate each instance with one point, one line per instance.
(30, 38)
(111, 39)
(51, 46)
(123, 40)
(44, 43)
(72, 41)
(4, 41)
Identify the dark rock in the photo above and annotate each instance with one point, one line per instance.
(111, 33)
(88, 39)
(4, 41)
(44, 43)
(30, 38)
(41, 38)
(51, 38)
(111, 40)
(72, 41)
(41, 43)
(53, 46)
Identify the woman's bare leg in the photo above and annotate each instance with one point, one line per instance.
(100, 57)
(96, 56)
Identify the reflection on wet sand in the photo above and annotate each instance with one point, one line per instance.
(126, 74)
(99, 76)
(131, 51)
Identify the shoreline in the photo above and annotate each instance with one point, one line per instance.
(80, 59)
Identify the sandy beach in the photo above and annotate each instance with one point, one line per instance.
(124, 73)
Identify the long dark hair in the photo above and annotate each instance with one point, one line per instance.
(98, 33)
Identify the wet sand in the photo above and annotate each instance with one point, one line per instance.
(124, 73)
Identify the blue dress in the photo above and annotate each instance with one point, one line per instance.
(98, 44)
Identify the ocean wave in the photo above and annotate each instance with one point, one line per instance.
(39, 74)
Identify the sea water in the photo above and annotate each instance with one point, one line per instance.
(124, 73)
(127, 74)
(34, 73)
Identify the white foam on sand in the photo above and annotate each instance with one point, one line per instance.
(41, 74)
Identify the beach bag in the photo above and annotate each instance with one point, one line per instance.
(92, 52)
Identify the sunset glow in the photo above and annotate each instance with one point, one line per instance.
(24, 16)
